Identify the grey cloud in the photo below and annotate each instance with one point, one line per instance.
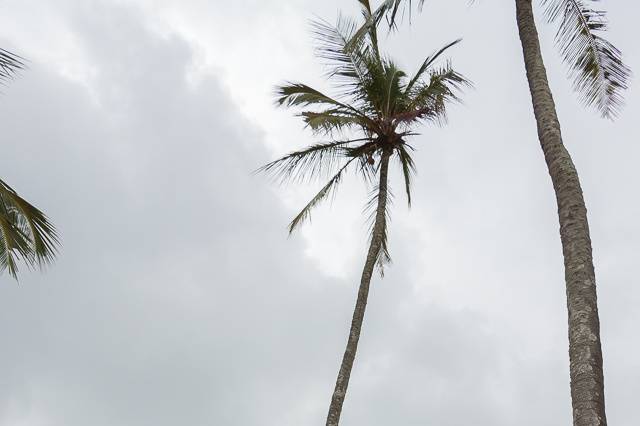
(178, 299)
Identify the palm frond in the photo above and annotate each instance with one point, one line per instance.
(599, 74)
(391, 8)
(384, 257)
(345, 55)
(383, 88)
(312, 162)
(330, 121)
(10, 64)
(324, 193)
(26, 232)
(363, 150)
(427, 63)
(298, 94)
(366, 6)
(373, 18)
(393, 88)
(13, 244)
(428, 101)
(369, 28)
(408, 168)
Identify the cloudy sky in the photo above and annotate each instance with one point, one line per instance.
(178, 299)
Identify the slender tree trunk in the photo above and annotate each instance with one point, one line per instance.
(333, 418)
(585, 354)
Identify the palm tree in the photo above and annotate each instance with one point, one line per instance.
(25, 232)
(378, 105)
(600, 77)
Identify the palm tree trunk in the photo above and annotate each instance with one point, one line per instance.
(585, 354)
(333, 418)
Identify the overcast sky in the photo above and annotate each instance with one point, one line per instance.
(178, 299)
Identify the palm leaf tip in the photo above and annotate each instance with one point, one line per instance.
(313, 162)
(428, 62)
(599, 74)
(327, 191)
(408, 168)
(10, 63)
(391, 8)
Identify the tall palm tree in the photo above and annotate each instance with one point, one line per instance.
(378, 106)
(25, 232)
(600, 77)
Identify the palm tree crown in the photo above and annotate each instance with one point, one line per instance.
(376, 103)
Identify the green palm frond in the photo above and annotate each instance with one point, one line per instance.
(369, 28)
(391, 8)
(382, 89)
(324, 193)
(443, 81)
(14, 245)
(10, 64)
(427, 64)
(298, 94)
(345, 58)
(428, 100)
(393, 88)
(330, 121)
(408, 168)
(596, 65)
(25, 232)
(367, 149)
(373, 18)
(313, 162)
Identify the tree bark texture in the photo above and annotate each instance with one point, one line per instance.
(585, 353)
(342, 382)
